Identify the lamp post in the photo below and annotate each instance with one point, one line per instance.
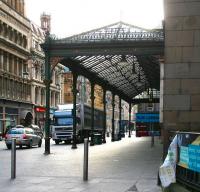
(47, 82)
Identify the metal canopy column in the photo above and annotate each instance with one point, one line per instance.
(104, 115)
(129, 123)
(92, 113)
(74, 90)
(113, 117)
(120, 118)
(47, 82)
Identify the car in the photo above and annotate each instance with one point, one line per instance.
(24, 137)
(37, 130)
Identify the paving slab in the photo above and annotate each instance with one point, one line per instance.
(129, 165)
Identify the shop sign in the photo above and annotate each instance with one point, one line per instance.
(40, 109)
(147, 117)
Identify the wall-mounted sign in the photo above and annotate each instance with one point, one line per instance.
(147, 117)
(40, 109)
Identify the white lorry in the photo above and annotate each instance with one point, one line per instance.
(62, 128)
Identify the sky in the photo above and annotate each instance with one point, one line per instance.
(70, 17)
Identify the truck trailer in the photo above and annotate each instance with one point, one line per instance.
(62, 127)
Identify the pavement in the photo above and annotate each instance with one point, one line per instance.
(128, 165)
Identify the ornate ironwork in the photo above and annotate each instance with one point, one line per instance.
(98, 55)
(118, 31)
(54, 61)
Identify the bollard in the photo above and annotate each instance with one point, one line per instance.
(85, 163)
(13, 159)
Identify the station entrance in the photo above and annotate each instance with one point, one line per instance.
(121, 58)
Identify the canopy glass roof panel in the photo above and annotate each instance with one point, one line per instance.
(121, 57)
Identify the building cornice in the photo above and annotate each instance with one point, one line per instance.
(15, 49)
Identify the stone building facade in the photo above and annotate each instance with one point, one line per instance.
(83, 87)
(22, 91)
(36, 71)
(180, 75)
(15, 87)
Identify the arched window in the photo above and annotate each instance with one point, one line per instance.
(1, 28)
(15, 37)
(10, 61)
(5, 30)
(24, 41)
(5, 61)
(11, 89)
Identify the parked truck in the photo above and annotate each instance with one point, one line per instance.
(62, 127)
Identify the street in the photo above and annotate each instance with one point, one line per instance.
(127, 165)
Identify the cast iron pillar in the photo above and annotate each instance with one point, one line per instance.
(104, 116)
(120, 118)
(113, 117)
(129, 123)
(74, 90)
(92, 114)
(47, 82)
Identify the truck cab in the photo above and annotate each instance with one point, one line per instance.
(62, 128)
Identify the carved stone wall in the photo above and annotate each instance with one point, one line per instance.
(180, 75)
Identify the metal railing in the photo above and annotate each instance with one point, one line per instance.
(188, 178)
(122, 36)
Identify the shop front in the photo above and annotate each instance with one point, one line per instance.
(14, 113)
(40, 116)
(8, 118)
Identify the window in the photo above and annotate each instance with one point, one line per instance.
(36, 95)
(29, 131)
(16, 131)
